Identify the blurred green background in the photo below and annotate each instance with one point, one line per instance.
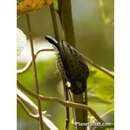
(93, 26)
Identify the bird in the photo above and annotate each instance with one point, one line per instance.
(71, 65)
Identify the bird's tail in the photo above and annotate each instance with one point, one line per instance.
(52, 40)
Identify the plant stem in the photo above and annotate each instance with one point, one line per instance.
(65, 13)
(101, 68)
(54, 21)
(29, 63)
(88, 60)
(35, 71)
(26, 109)
(65, 103)
(55, 27)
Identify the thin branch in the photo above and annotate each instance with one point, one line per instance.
(65, 14)
(65, 103)
(26, 110)
(104, 125)
(27, 102)
(32, 110)
(28, 65)
(54, 21)
(25, 68)
(57, 36)
(42, 50)
(106, 71)
(35, 70)
(107, 112)
(35, 116)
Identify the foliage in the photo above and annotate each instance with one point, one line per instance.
(101, 93)
(100, 85)
(100, 90)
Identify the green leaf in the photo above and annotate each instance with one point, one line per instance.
(101, 85)
(96, 99)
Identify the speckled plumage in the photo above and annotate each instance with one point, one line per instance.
(71, 65)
